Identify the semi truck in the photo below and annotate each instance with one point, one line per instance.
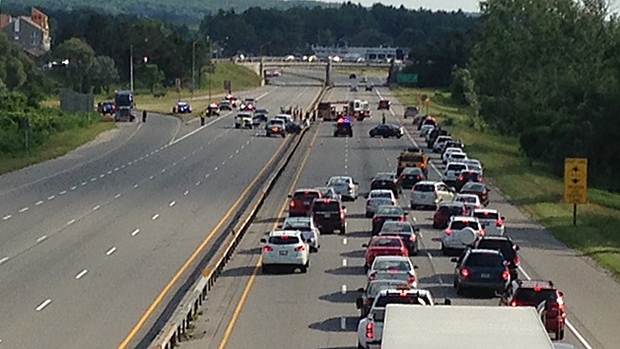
(463, 327)
(123, 101)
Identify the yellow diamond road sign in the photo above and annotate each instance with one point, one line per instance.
(575, 181)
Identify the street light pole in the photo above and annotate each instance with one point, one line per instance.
(131, 67)
(194, 67)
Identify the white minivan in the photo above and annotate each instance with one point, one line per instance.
(430, 194)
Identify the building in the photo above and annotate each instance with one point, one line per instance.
(353, 54)
(31, 33)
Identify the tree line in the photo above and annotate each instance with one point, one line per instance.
(548, 72)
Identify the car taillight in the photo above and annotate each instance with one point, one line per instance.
(300, 249)
(412, 237)
(376, 219)
(505, 275)
(342, 214)
(513, 303)
(292, 203)
(411, 280)
(403, 176)
(448, 232)
(370, 330)
(460, 178)
(419, 177)
(372, 276)
(465, 272)
(267, 249)
(516, 261)
(499, 222)
(368, 203)
(482, 232)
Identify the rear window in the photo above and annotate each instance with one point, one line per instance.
(386, 243)
(413, 298)
(456, 167)
(457, 156)
(381, 194)
(391, 265)
(380, 201)
(394, 227)
(458, 225)
(486, 215)
(411, 157)
(474, 187)
(283, 240)
(310, 195)
(484, 260)
(503, 246)
(424, 187)
(297, 225)
(392, 210)
(468, 199)
(529, 295)
(452, 210)
(322, 206)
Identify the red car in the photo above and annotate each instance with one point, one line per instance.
(532, 293)
(301, 201)
(384, 104)
(384, 246)
(447, 209)
(476, 188)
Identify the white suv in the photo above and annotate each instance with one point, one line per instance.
(370, 328)
(452, 172)
(461, 232)
(430, 194)
(492, 221)
(285, 248)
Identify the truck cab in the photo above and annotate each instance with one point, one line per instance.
(412, 157)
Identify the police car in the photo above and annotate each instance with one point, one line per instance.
(182, 108)
(343, 127)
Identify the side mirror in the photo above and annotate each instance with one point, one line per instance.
(503, 218)
(416, 229)
(517, 248)
(264, 241)
(482, 226)
(454, 260)
(365, 245)
(290, 196)
(344, 207)
(355, 182)
(405, 213)
(561, 294)
(447, 301)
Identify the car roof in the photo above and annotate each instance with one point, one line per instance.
(340, 177)
(465, 195)
(303, 190)
(464, 219)
(496, 238)
(392, 258)
(298, 219)
(383, 237)
(388, 223)
(484, 251)
(285, 232)
(381, 191)
(428, 182)
(483, 210)
(418, 291)
(451, 203)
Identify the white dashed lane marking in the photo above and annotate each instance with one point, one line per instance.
(63, 192)
(43, 305)
(102, 175)
(53, 196)
(172, 203)
(42, 238)
(155, 217)
(93, 179)
(96, 207)
(117, 196)
(83, 184)
(71, 222)
(23, 209)
(73, 187)
(135, 185)
(198, 183)
(7, 217)
(3, 260)
(186, 192)
(151, 177)
(38, 203)
(110, 251)
(135, 232)
(82, 273)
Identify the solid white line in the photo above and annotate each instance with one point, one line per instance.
(51, 197)
(42, 238)
(110, 251)
(73, 187)
(82, 273)
(23, 209)
(71, 222)
(4, 260)
(172, 203)
(430, 256)
(44, 304)
(117, 196)
(96, 207)
(135, 232)
(7, 217)
(155, 217)
(63, 192)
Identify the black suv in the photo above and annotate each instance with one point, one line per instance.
(386, 180)
(468, 176)
(329, 215)
(506, 247)
(410, 176)
(343, 127)
(432, 137)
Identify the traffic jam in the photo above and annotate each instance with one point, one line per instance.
(472, 232)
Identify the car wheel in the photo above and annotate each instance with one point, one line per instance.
(369, 214)
(360, 346)
(559, 334)
(444, 250)
(414, 251)
(460, 290)
(283, 135)
(413, 207)
(343, 230)
(314, 249)
(435, 226)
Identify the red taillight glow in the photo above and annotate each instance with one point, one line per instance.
(292, 203)
(482, 232)
(460, 178)
(505, 275)
(465, 273)
(300, 249)
(370, 330)
(448, 232)
(267, 249)
(402, 219)
(377, 219)
(412, 237)
(411, 280)
(516, 261)
(500, 222)
(513, 303)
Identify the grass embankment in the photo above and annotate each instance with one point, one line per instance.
(53, 145)
(531, 185)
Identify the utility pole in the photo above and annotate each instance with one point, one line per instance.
(194, 68)
(130, 67)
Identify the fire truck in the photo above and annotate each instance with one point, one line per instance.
(332, 111)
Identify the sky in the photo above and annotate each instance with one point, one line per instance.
(445, 5)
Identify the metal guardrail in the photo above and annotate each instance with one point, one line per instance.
(179, 323)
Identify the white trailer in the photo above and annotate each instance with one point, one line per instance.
(463, 327)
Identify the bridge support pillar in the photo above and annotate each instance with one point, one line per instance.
(328, 70)
(261, 70)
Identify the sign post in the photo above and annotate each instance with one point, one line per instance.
(575, 183)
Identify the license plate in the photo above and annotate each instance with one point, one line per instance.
(306, 203)
(485, 276)
(422, 196)
(283, 253)
(327, 215)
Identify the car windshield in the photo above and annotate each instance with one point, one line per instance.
(377, 286)
(339, 181)
(397, 265)
(484, 260)
(474, 187)
(456, 167)
(505, 247)
(297, 224)
(380, 201)
(531, 296)
(390, 210)
(397, 227)
(324, 206)
(424, 187)
(283, 240)
(458, 225)
(384, 242)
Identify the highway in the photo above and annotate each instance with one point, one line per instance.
(250, 310)
(89, 241)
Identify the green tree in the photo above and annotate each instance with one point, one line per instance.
(103, 73)
(81, 57)
(152, 76)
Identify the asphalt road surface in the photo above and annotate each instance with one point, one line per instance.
(250, 310)
(88, 242)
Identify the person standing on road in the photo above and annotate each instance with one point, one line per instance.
(383, 119)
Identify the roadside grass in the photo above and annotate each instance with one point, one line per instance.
(241, 77)
(57, 145)
(531, 185)
(362, 71)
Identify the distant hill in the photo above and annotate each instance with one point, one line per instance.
(175, 10)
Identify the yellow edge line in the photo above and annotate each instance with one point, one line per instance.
(194, 255)
(248, 287)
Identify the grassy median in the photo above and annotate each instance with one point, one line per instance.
(531, 185)
(58, 144)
